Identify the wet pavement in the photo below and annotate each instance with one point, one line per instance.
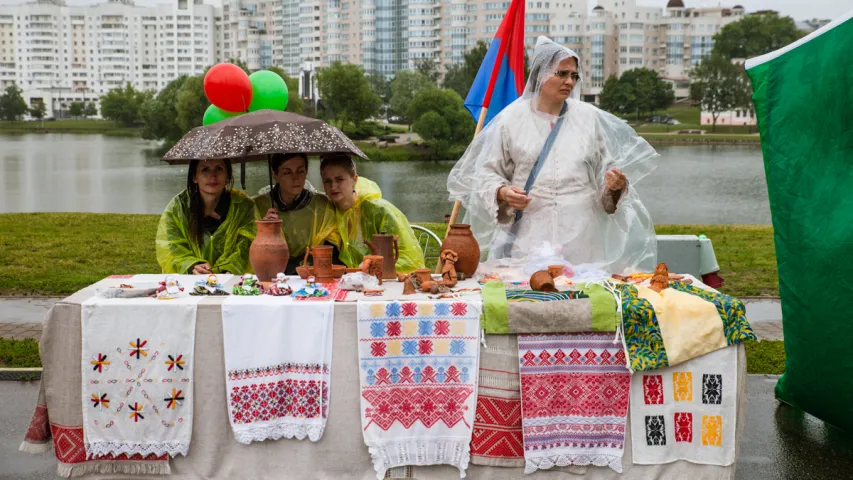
(779, 442)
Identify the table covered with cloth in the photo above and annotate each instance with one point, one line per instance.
(214, 453)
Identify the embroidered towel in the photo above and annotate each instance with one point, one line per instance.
(137, 370)
(278, 359)
(574, 400)
(686, 412)
(418, 374)
(497, 439)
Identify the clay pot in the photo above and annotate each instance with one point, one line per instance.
(389, 249)
(542, 281)
(322, 263)
(423, 275)
(375, 266)
(269, 253)
(338, 271)
(305, 272)
(555, 270)
(353, 270)
(461, 240)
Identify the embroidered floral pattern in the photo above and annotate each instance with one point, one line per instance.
(683, 427)
(285, 398)
(274, 370)
(100, 400)
(177, 362)
(655, 430)
(429, 405)
(174, 399)
(653, 389)
(137, 348)
(712, 430)
(136, 412)
(682, 386)
(712, 389)
(100, 362)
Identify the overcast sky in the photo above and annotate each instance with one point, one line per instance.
(799, 9)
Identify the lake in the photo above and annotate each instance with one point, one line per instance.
(95, 173)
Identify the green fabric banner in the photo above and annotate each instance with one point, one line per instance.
(803, 96)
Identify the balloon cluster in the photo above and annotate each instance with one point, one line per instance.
(231, 92)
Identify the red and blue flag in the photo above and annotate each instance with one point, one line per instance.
(500, 80)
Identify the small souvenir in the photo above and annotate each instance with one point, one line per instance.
(248, 285)
(279, 286)
(169, 289)
(311, 289)
(210, 286)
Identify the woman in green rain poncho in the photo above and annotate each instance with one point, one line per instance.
(361, 212)
(308, 218)
(208, 227)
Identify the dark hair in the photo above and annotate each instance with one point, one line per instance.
(339, 160)
(279, 158)
(197, 203)
(535, 72)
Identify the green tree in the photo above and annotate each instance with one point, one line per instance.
(649, 91)
(617, 97)
(382, 88)
(122, 105)
(405, 85)
(192, 102)
(428, 68)
(459, 77)
(38, 111)
(441, 120)
(718, 85)
(90, 110)
(160, 114)
(295, 103)
(12, 104)
(755, 35)
(346, 93)
(75, 109)
(239, 63)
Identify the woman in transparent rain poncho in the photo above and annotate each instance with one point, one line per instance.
(581, 205)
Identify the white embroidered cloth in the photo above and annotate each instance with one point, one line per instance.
(686, 412)
(137, 366)
(278, 359)
(418, 366)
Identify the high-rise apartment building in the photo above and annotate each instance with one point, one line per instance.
(58, 54)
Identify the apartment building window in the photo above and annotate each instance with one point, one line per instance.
(636, 61)
(623, 61)
(623, 49)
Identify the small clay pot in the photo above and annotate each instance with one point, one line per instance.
(423, 275)
(338, 271)
(304, 272)
(542, 281)
(555, 270)
(353, 270)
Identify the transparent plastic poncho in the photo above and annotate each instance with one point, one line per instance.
(369, 215)
(227, 250)
(567, 213)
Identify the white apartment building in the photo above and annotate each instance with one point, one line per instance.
(58, 54)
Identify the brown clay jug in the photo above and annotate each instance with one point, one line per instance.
(386, 246)
(269, 253)
(461, 240)
(323, 272)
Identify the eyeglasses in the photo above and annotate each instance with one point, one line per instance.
(564, 74)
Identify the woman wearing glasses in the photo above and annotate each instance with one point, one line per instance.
(551, 173)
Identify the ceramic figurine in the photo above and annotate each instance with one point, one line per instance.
(660, 279)
(448, 269)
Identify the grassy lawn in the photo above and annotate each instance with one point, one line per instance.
(658, 138)
(19, 353)
(83, 125)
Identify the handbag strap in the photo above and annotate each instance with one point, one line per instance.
(534, 172)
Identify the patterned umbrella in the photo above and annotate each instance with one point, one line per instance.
(255, 135)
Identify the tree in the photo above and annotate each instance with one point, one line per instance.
(91, 110)
(428, 68)
(460, 77)
(639, 90)
(404, 87)
(718, 85)
(12, 104)
(38, 111)
(346, 93)
(122, 105)
(440, 119)
(239, 63)
(295, 103)
(617, 97)
(160, 114)
(75, 109)
(755, 35)
(191, 104)
(382, 88)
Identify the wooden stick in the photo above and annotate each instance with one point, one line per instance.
(454, 214)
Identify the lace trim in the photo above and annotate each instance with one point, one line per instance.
(583, 459)
(420, 452)
(100, 449)
(277, 431)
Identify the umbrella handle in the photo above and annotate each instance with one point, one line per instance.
(243, 172)
(269, 172)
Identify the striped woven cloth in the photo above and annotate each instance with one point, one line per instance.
(534, 296)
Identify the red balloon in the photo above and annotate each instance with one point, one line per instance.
(228, 87)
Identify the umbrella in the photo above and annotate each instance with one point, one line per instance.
(257, 135)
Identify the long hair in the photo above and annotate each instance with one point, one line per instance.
(196, 219)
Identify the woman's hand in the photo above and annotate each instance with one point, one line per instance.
(514, 197)
(201, 269)
(272, 214)
(615, 180)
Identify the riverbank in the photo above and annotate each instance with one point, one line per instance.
(83, 126)
(60, 253)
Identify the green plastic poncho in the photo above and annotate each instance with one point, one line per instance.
(369, 215)
(227, 250)
(304, 228)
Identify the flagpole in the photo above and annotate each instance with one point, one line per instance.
(455, 212)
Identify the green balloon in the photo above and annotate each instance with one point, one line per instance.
(268, 91)
(215, 114)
